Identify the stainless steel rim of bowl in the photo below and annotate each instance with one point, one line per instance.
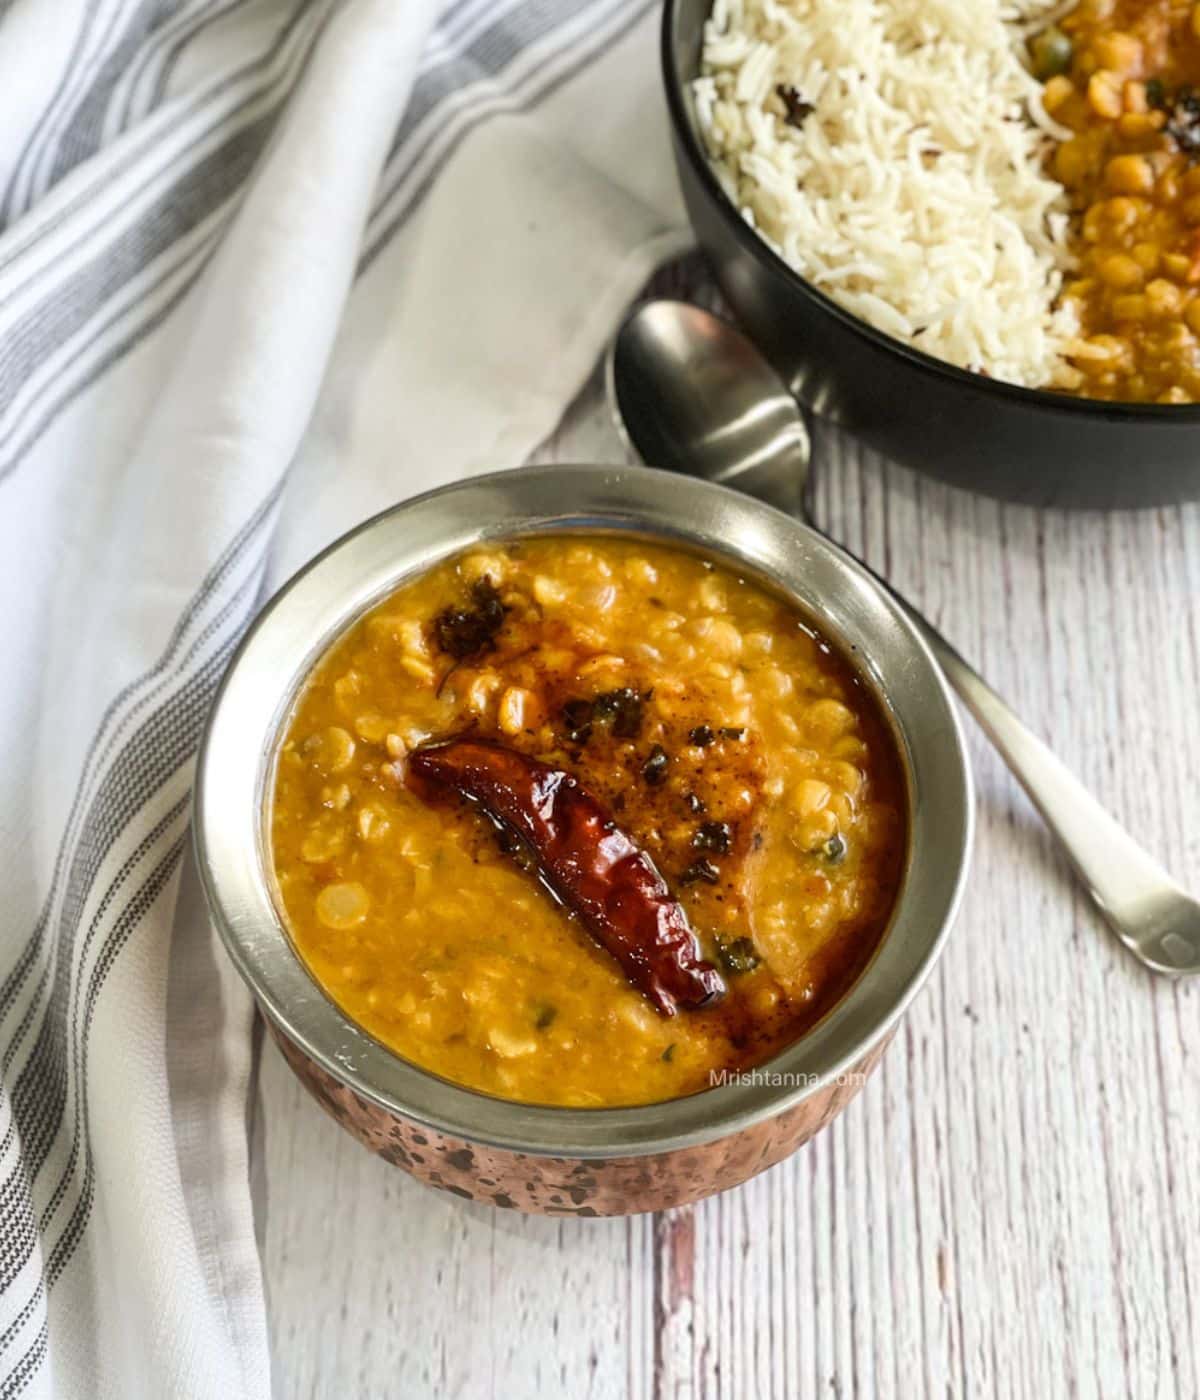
(337, 587)
(687, 132)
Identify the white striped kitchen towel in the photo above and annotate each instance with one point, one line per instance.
(266, 266)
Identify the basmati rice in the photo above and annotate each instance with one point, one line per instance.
(914, 191)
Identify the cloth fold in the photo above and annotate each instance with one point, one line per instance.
(265, 268)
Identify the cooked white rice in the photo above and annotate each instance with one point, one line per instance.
(913, 193)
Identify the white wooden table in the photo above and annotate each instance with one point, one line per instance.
(1010, 1207)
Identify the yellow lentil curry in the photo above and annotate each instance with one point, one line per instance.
(735, 748)
(1124, 77)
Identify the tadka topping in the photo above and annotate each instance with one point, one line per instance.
(736, 756)
(586, 860)
(469, 631)
(1123, 79)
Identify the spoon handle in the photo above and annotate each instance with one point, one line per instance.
(1153, 917)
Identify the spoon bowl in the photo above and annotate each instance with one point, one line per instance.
(720, 413)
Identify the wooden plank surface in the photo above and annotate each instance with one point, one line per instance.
(1011, 1206)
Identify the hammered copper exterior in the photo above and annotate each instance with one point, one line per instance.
(570, 1186)
(575, 1161)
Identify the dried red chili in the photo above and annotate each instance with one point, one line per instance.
(585, 859)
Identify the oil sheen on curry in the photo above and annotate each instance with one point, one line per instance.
(585, 821)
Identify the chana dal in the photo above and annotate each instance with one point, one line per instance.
(1123, 77)
(727, 740)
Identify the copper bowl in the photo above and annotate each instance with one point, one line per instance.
(561, 1160)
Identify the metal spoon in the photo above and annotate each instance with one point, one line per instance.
(691, 394)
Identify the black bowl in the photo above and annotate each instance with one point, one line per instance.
(1027, 445)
